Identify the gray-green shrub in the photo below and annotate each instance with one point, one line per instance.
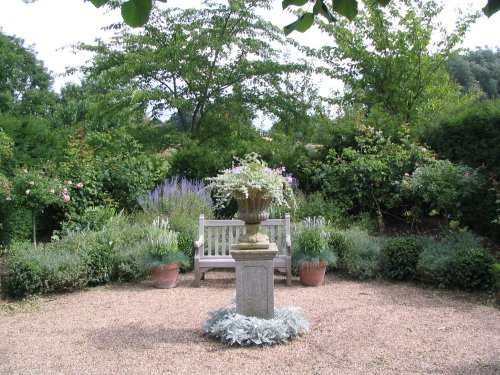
(82, 258)
(361, 258)
(434, 263)
(458, 260)
(47, 268)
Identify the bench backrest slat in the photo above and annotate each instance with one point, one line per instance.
(216, 248)
(219, 235)
(209, 240)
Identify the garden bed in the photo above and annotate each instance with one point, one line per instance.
(355, 327)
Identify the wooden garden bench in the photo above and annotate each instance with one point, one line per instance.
(211, 250)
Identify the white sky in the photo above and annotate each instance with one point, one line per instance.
(50, 25)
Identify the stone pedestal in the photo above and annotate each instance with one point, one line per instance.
(255, 281)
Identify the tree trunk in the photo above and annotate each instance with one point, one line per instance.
(380, 220)
(33, 222)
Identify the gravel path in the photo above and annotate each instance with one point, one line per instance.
(356, 328)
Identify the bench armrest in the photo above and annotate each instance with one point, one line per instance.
(288, 243)
(197, 245)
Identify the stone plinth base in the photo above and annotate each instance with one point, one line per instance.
(255, 281)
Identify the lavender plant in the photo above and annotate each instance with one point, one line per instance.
(176, 193)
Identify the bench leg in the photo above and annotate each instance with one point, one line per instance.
(197, 275)
(289, 274)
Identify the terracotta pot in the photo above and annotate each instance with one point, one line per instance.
(312, 274)
(166, 276)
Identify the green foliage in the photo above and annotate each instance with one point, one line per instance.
(337, 243)
(193, 62)
(99, 255)
(114, 170)
(15, 224)
(480, 67)
(457, 260)
(363, 179)
(315, 205)
(6, 145)
(472, 269)
(311, 246)
(91, 219)
(399, 258)
(136, 12)
(128, 171)
(442, 187)
(469, 136)
(361, 257)
(24, 81)
(34, 143)
(390, 65)
(83, 258)
(434, 264)
(35, 190)
(496, 275)
(127, 237)
(45, 269)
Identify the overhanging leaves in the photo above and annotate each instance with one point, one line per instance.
(303, 23)
(136, 12)
(346, 8)
(321, 8)
(492, 7)
(98, 3)
(286, 3)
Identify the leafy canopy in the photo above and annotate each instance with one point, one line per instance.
(389, 64)
(191, 63)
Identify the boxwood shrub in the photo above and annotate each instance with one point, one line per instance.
(399, 258)
(472, 269)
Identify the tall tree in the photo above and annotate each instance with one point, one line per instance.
(25, 84)
(480, 67)
(191, 62)
(388, 61)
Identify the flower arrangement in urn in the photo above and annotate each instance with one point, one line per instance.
(254, 186)
(163, 256)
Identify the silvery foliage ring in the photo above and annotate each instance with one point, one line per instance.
(235, 329)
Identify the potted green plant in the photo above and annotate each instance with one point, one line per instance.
(254, 186)
(163, 256)
(311, 254)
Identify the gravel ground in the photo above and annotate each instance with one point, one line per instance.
(356, 328)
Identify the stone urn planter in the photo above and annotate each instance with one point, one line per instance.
(253, 210)
(165, 277)
(312, 274)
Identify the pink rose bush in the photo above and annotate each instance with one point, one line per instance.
(35, 190)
